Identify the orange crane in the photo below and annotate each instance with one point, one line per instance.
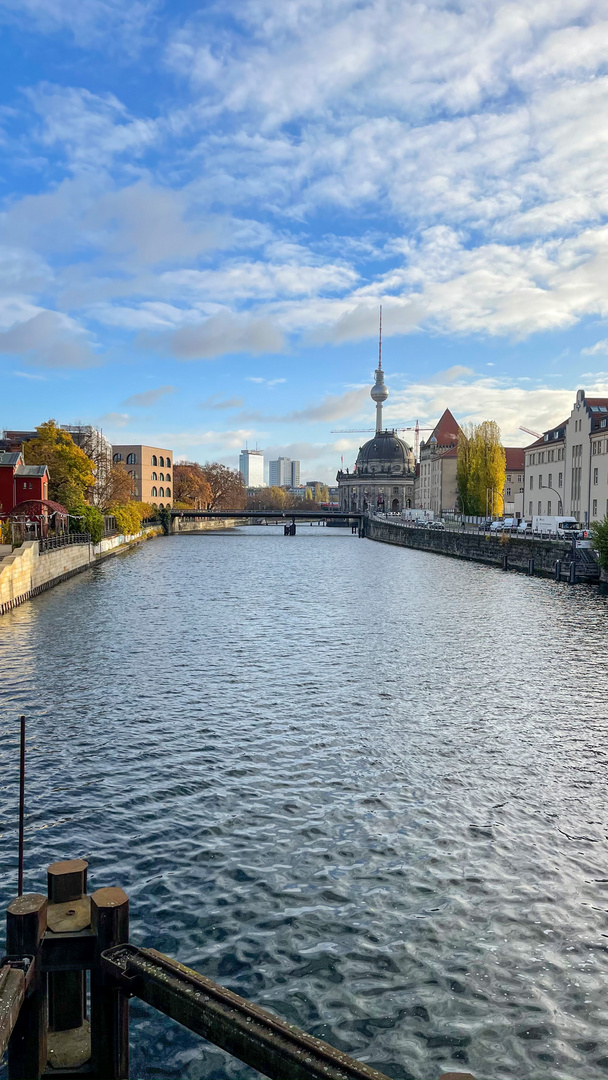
(365, 431)
(528, 431)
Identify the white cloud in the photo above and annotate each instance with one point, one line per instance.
(48, 339)
(91, 128)
(599, 347)
(108, 23)
(114, 420)
(219, 335)
(148, 397)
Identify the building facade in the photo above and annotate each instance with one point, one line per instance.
(151, 469)
(284, 473)
(513, 494)
(436, 487)
(383, 476)
(251, 468)
(20, 483)
(566, 469)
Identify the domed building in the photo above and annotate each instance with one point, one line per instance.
(383, 477)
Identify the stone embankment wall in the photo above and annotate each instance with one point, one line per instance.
(25, 572)
(481, 548)
(184, 525)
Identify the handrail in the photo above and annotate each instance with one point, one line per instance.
(272, 1046)
(50, 543)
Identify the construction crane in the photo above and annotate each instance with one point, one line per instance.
(365, 431)
(528, 431)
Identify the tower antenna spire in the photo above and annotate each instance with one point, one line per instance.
(380, 342)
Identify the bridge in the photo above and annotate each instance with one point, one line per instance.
(289, 518)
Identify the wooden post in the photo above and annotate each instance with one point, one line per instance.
(27, 1049)
(67, 882)
(109, 1005)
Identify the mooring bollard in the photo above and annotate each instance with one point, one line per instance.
(531, 567)
(67, 883)
(25, 928)
(558, 569)
(572, 575)
(109, 1005)
(505, 562)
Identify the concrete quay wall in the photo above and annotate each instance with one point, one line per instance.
(24, 573)
(478, 547)
(194, 525)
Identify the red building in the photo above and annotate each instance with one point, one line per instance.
(21, 483)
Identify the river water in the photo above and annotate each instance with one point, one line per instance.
(362, 785)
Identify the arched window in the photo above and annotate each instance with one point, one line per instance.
(167, 476)
(161, 492)
(168, 492)
(132, 474)
(161, 476)
(161, 461)
(168, 463)
(154, 476)
(154, 461)
(154, 492)
(131, 459)
(117, 458)
(160, 506)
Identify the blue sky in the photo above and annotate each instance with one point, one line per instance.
(202, 207)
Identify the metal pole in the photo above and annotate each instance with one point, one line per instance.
(21, 806)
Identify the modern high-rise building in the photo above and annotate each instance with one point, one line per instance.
(251, 467)
(295, 474)
(279, 472)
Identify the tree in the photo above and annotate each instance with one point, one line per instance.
(481, 469)
(228, 491)
(191, 489)
(71, 472)
(114, 486)
(599, 537)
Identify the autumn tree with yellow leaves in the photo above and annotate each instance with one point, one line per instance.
(481, 469)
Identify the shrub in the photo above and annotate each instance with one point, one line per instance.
(87, 519)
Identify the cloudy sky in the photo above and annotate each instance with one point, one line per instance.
(203, 205)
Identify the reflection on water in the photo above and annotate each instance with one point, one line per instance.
(363, 786)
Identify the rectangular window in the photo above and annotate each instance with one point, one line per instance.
(531, 482)
(507, 491)
(550, 480)
(530, 507)
(560, 479)
(519, 479)
(549, 507)
(595, 475)
(594, 510)
(540, 481)
(508, 478)
(540, 507)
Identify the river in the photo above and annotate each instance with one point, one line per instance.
(363, 786)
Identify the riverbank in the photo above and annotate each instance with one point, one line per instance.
(26, 572)
(508, 553)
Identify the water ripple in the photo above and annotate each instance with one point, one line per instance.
(363, 786)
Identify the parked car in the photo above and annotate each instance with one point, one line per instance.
(484, 525)
(498, 526)
(436, 525)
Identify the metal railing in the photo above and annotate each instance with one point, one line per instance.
(49, 543)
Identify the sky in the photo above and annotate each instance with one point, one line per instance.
(202, 207)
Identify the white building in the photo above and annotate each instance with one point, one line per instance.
(251, 467)
(284, 473)
(567, 468)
